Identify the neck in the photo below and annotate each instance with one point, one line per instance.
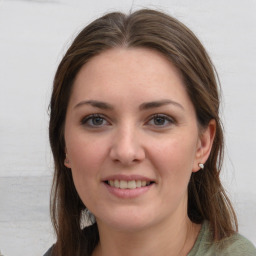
(173, 239)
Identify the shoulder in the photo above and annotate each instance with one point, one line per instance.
(235, 245)
(49, 252)
(89, 231)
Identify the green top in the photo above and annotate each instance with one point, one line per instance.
(236, 245)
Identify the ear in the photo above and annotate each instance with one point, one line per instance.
(66, 160)
(204, 145)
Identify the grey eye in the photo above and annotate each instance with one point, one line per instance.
(97, 120)
(160, 120)
(94, 120)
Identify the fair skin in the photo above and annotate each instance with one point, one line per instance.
(132, 142)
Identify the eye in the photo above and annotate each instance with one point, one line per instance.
(94, 121)
(160, 120)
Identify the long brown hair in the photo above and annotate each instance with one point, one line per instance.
(207, 199)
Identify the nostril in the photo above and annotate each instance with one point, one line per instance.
(126, 151)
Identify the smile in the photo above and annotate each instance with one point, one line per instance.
(132, 184)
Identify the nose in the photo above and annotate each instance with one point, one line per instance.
(126, 147)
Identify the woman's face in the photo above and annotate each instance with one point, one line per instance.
(132, 139)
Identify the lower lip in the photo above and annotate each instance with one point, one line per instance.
(128, 193)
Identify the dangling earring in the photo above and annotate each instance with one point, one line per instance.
(201, 166)
(87, 218)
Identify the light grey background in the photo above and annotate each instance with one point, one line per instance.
(34, 35)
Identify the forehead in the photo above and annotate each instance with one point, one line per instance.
(116, 60)
(129, 72)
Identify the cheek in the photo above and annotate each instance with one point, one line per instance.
(86, 160)
(175, 156)
(86, 154)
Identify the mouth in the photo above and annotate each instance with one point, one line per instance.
(131, 184)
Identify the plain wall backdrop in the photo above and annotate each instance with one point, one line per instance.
(34, 35)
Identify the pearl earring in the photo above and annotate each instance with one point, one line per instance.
(201, 166)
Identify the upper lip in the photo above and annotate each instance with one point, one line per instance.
(127, 177)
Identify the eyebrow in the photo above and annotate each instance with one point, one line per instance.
(143, 106)
(160, 103)
(95, 103)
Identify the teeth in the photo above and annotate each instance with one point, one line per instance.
(132, 184)
(123, 184)
(143, 183)
(138, 183)
(116, 183)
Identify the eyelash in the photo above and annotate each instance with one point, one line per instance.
(92, 117)
(85, 120)
(164, 118)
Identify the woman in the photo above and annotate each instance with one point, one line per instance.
(138, 144)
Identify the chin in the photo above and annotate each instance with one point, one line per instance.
(128, 222)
